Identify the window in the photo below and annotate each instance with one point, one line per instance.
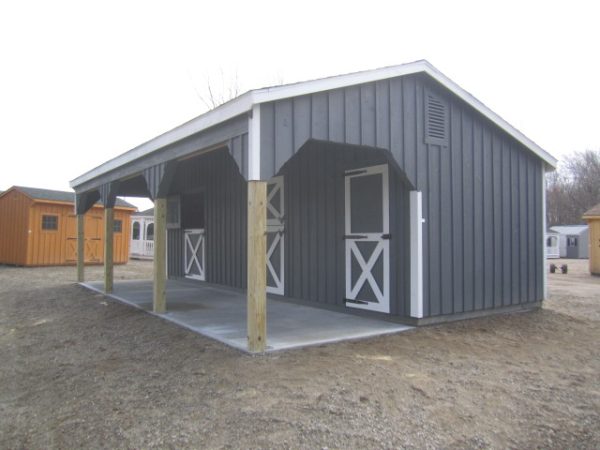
(49, 222)
(150, 232)
(192, 211)
(118, 226)
(436, 119)
(136, 231)
(173, 212)
(571, 241)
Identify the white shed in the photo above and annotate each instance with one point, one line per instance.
(573, 241)
(552, 245)
(142, 234)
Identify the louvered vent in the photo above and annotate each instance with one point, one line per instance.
(436, 120)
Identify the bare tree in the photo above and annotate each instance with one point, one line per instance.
(223, 87)
(219, 91)
(573, 188)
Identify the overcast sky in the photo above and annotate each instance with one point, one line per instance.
(82, 82)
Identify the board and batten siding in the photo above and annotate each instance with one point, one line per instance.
(218, 176)
(314, 220)
(482, 192)
(52, 247)
(14, 228)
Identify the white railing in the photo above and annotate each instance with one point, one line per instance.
(148, 248)
(141, 248)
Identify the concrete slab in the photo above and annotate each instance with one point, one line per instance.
(220, 313)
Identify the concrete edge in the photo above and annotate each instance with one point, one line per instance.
(166, 317)
(162, 316)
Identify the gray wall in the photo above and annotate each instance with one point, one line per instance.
(217, 174)
(314, 218)
(482, 192)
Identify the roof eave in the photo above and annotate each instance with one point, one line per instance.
(244, 103)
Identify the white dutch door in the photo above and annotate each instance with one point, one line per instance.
(194, 245)
(367, 238)
(275, 236)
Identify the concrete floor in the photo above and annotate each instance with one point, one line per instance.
(220, 313)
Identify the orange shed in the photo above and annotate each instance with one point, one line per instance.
(38, 227)
(592, 217)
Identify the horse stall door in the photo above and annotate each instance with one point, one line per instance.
(367, 239)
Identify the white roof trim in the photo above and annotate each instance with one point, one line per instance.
(244, 103)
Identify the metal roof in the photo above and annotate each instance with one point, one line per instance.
(569, 229)
(58, 196)
(244, 103)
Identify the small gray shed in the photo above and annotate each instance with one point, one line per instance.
(391, 192)
(573, 241)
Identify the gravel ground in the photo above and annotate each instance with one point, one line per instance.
(81, 371)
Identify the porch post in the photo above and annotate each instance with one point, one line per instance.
(108, 249)
(80, 248)
(159, 301)
(257, 262)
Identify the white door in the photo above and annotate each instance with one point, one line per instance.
(194, 244)
(367, 238)
(275, 236)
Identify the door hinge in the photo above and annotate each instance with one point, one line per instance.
(359, 302)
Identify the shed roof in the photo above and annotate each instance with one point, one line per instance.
(594, 211)
(569, 229)
(245, 103)
(58, 196)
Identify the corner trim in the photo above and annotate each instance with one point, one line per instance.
(416, 254)
(254, 144)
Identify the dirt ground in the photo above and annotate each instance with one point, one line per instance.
(80, 371)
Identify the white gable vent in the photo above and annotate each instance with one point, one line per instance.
(436, 120)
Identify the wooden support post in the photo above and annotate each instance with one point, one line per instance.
(159, 304)
(80, 248)
(108, 249)
(257, 266)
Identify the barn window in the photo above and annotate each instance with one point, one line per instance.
(192, 211)
(173, 212)
(136, 231)
(49, 222)
(118, 226)
(571, 241)
(436, 119)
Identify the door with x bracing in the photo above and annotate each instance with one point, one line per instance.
(276, 236)
(367, 234)
(194, 254)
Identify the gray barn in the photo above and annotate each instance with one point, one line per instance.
(391, 192)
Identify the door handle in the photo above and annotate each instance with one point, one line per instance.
(386, 236)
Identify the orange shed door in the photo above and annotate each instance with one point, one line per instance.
(93, 238)
(71, 251)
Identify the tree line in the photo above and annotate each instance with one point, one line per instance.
(573, 188)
